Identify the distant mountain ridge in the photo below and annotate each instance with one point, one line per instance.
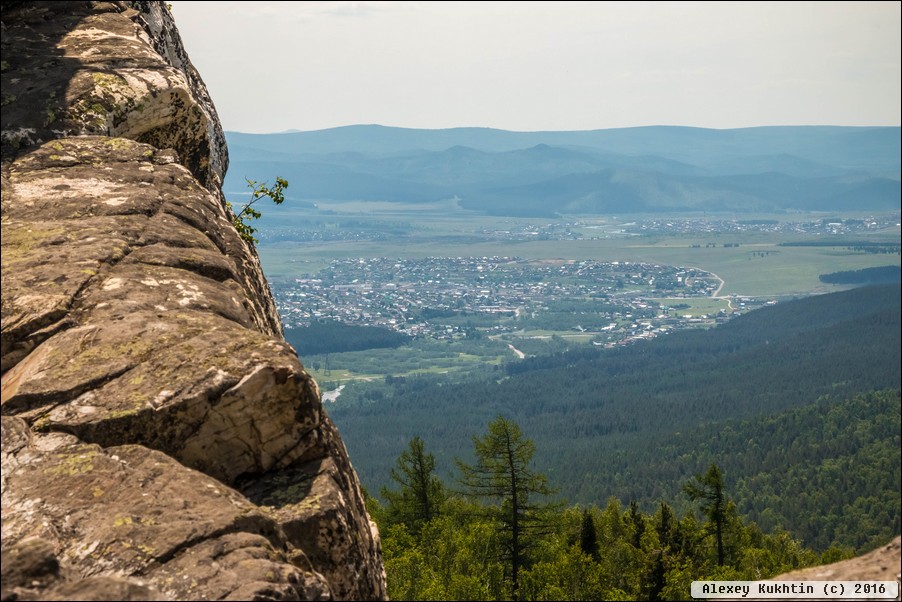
(644, 169)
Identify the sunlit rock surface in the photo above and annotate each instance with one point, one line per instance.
(160, 439)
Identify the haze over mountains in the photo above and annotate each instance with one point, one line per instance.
(630, 170)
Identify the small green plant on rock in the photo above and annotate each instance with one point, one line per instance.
(258, 191)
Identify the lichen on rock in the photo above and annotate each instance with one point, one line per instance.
(131, 511)
(151, 409)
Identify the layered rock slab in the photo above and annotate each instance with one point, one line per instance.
(141, 348)
(125, 323)
(305, 500)
(177, 533)
(158, 340)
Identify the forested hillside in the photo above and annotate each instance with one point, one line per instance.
(768, 394)
(878, 275)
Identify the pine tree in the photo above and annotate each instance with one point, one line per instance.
(588, 537)
(656, 578)
(665, 525)
(710, 489)
(502, 473)
(638, 522)
(421, 494)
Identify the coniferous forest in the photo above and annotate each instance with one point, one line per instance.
(795, 408)
(335, 337)
(497, 532)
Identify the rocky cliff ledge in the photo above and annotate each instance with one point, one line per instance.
(159, 438)
(882, 564)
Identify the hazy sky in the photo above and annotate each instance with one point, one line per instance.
(273, 66)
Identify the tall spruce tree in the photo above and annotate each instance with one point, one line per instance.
(502, 474)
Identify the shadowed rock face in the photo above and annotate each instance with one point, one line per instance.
(160, 439)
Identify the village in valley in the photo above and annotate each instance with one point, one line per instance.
(605, 303)
(451, 297)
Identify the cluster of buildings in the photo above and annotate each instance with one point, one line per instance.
(820, 226)
(442, 297)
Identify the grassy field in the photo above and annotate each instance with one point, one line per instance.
(539, 334)
(420, 357)
(697, 305)
(757, 267)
